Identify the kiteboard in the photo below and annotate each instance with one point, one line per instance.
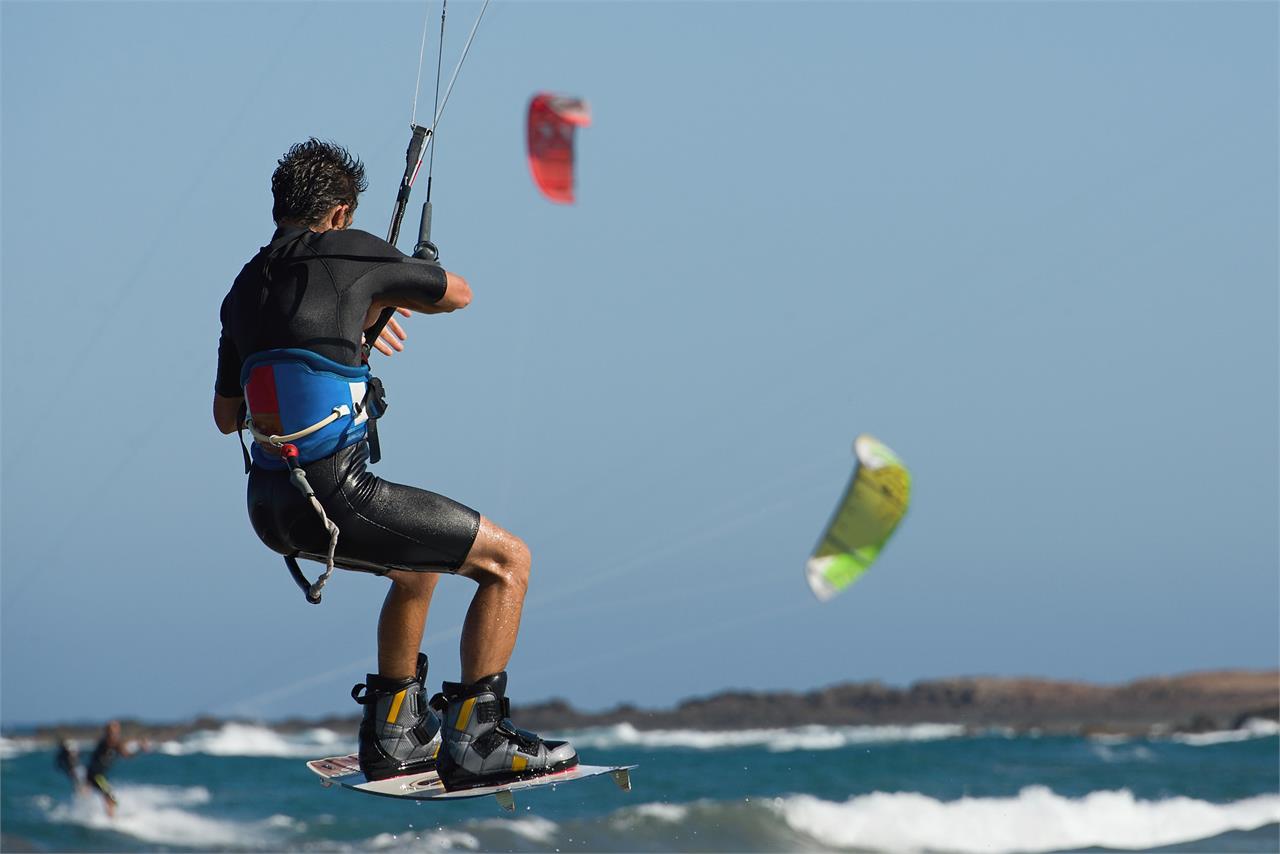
(426, 786)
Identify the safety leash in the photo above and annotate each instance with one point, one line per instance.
(298, 477)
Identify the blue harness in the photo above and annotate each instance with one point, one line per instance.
(299, 398)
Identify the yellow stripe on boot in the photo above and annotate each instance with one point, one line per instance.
(464, 715)
(395, 706)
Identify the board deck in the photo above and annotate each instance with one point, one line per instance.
(345, 772)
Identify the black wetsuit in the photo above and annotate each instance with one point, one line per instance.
(68, 761)
(312, 291)
(100, 762)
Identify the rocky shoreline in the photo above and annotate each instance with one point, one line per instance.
(1193, 702)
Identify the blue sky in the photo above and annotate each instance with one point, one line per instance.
(1032, 247)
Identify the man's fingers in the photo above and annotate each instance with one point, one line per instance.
(389, 339)
(386, 345)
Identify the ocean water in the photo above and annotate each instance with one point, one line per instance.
(928, 788)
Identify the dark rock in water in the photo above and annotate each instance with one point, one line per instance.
(1200, 723)
(1162, 704)
(1194, 702)
(1266, 713)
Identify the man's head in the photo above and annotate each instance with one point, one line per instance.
(314, 179)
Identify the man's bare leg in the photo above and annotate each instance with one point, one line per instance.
(478, 748)
(400, 625)
(396, 732)
(499, 562)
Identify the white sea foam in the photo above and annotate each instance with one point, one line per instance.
(436, 840)
(1034, 820)
(1253, 728)
(1118, 752)
(163, 814)
(536, 829)
(670, 813)
(774, 740)
(234, 739)
(14, 747)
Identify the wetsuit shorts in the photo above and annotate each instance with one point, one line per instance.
(98, 779)
(382, 525)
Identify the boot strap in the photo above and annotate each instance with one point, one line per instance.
(526, 742)
(491, 711)
(423, 732)
(487, 743)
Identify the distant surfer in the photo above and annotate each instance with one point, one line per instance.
(109, 748)
(68, 762)
(292, 329)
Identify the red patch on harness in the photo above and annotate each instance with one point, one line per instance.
(264, 406)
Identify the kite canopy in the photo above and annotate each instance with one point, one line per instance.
(552, 119)
(871, 509)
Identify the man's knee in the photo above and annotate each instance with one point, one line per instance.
(499, 556)
(416, 584)
(512, 561)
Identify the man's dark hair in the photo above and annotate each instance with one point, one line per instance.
(312, 178)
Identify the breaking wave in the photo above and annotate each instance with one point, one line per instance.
(1035, 819)
(1253, 728)
(163, 815)
(13, 747)
(235, 739)
(774, 740)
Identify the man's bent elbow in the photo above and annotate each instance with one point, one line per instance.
(226, 428)
(226, 413)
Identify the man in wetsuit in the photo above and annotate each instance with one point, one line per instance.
(109, 748)
(315, 288)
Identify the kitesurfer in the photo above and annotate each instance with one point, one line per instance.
(292, 327)
(109, 748)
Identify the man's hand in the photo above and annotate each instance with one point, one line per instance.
(391, 339)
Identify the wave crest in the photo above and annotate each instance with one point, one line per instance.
(773, 740)
(235, 739)
(1034, 820)
(1253, 728)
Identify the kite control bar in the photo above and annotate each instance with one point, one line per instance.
(412, 164)
(418, 141)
